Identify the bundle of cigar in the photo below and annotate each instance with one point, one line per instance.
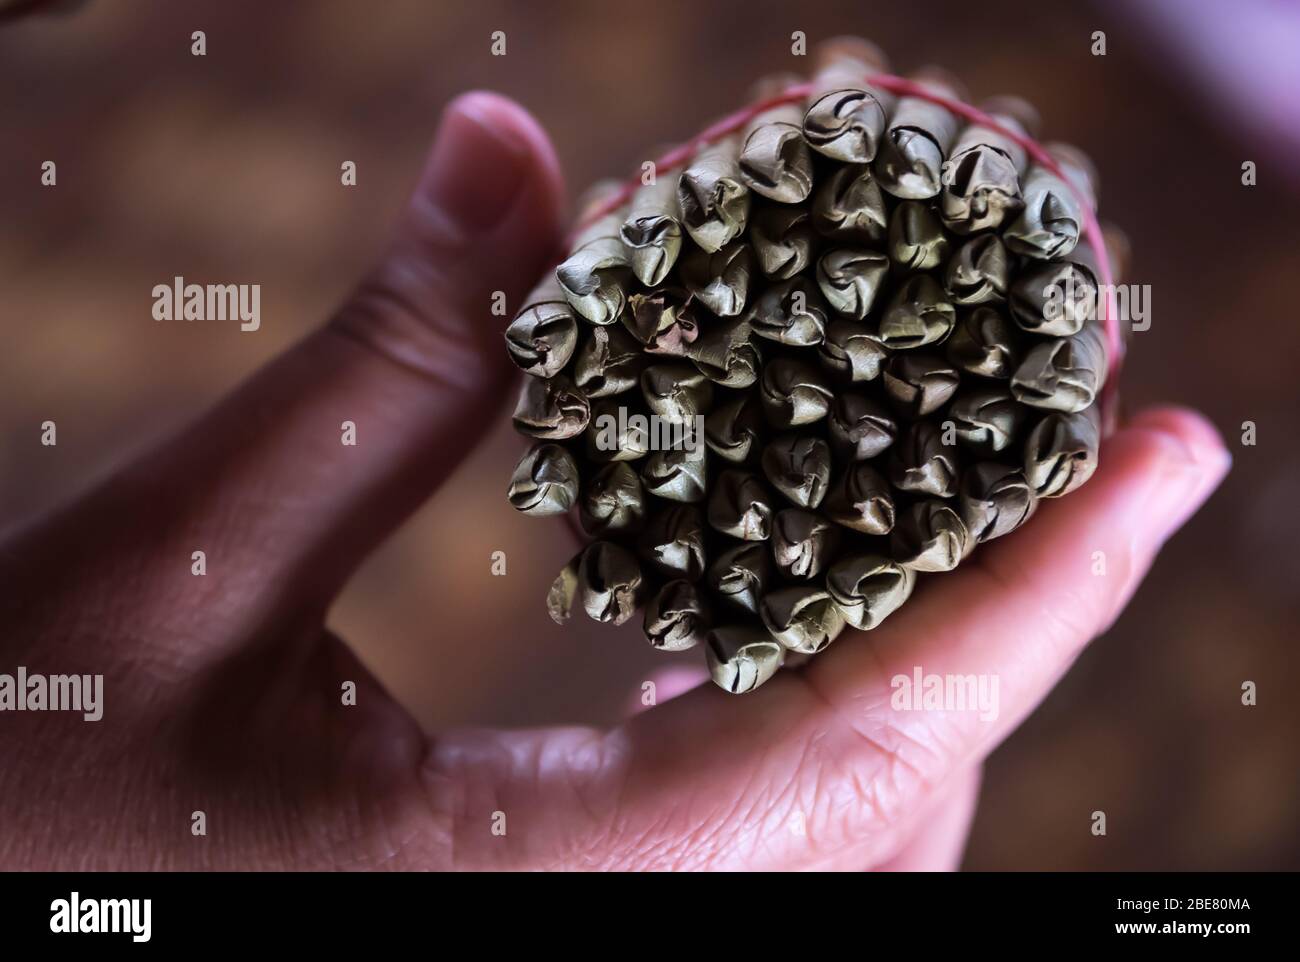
(834, 350)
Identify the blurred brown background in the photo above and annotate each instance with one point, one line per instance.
(226, 169)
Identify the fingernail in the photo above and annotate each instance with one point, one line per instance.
(479, 164)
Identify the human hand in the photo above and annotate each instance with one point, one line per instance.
(222, 692)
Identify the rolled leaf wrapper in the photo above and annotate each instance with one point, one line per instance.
(676, 392)
(912, 152)
(740, 575)
(985, 343)
(981, 178)
(849, 208)
(861, 500)
(793, 393)
(720, 280)
(725, 353)
(802, 543)
(1061, 452)
(613, 501)
(1049, 226)
(868, 588)
(799, 466)
(652, 231)
(978, 272)
(783, 239)
(742, 657)
(609, 362)
(917, 241)
(544, 334)
(661, 321)
(859, 427)
(733, 430)
(930, 536)
(545, 482)
(919, 383)
(673, 541)
(741, 506)
(995, 499)
(987, 419)
(677, 474)
(921, 463)
(774, 158)
(616, 432)
(551, 408)
(790, 312)
(1065, 374)
(918, 314)
(595, 275)
(713, 197)
(677, 617)
(850, 278)
(1055, 298)
(604, 580)
(846, 116)
(802, 617)
(852, 353)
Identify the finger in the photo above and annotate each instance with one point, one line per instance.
(265, 484)
(665, 684)
(940, 839)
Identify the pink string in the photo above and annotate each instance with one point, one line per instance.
(678, 156)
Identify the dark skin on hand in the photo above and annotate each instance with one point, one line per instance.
(222, 692)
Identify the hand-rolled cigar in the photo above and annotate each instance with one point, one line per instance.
(846, 116)
(930, 536)
(609, 362)
(673, 541)
(719, 280)
(994, 500)
(774, 159)
(1064, 374)
(604, 580)
(910, 162)
(851, 352)
(917, 241)
(733, 430)
(790, 312)
(616, 432)
(1049, 226)
(677, 617)
(544, 334)
(985, 343)
(661, 321)
(713, 198)
(851, 277)
(595, 275)
(799, 466)
(1055, 298)
(793, 393)
(742, 657)
(860, 428)
(652, 231)
(676, 392)
(725, 354)
(545, 481)
(978, 271)
(676, 474)
(921, 463)
(613, 501)
(801, 617)
(849, 208)
(868, 588)
(981, 178)
(803, 543)
(551, 409)
(1061, 452)
(861, 500)
(919, 313)
(741, 506)
(987, 419)
(740, 575)
(918, 383)
(783, 239)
